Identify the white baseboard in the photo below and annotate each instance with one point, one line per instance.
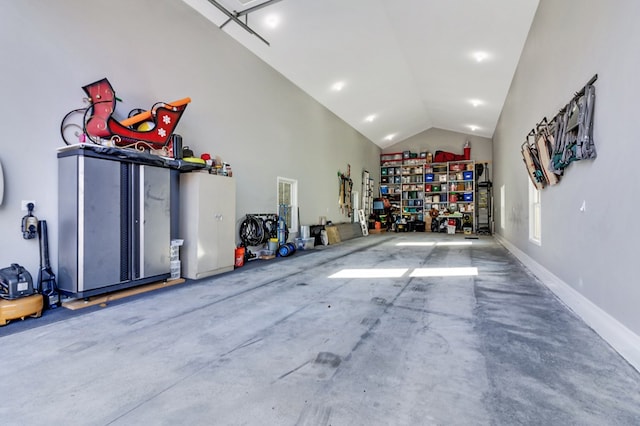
(623, 340)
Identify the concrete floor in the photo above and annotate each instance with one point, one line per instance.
(283, 344)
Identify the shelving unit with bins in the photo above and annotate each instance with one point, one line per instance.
(461, 186)
(451, 187)
(391, 178)
(412, 201)
(414, 186)
(435, 185)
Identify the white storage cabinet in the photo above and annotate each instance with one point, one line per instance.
(207, 224)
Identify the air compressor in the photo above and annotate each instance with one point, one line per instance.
(17, 296)
(15, 282)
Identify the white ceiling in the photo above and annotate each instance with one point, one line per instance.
(409, 63)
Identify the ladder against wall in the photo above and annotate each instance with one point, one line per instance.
(367, 193)
(363, 222)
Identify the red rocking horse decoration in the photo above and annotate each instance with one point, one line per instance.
(99, 122)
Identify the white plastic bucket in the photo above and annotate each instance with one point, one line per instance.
(305, 231)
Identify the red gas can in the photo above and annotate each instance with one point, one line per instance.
(239, 257)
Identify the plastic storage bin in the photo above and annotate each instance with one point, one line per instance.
(305, 243)
(175, 269)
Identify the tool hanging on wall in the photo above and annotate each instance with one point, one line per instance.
(568, 137)
(543, 141)
(536, 152)
(530, 158)
(29, 224)
(574, 129)
(344, 197)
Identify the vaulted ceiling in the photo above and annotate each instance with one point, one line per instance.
(389, 68)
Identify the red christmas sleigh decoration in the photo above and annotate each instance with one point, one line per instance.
(99, 122)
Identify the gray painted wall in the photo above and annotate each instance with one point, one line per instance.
(159, 50)
(594, 251)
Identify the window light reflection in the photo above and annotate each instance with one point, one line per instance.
(370, 273)
(444, 272)
(417, 244)
(454, 243)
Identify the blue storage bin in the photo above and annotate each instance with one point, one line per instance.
(428, 177)
(467, 175)
(468, 196)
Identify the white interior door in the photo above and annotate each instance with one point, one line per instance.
(288, 196)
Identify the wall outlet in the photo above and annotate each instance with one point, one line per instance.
(23, 205)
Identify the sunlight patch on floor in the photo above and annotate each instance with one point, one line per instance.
(370, 273)
(433, 243)
(399, 272)
(417, 244)
(444, 272)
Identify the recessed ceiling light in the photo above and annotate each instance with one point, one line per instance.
(272, 21)
(473, 127)
(480, 56)
(476, 102)
(390, 137)
(370, 118)
(338, 86)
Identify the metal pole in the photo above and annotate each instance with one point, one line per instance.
(237, 21)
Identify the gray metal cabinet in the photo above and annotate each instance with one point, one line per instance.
(114, 223)
(207, 224)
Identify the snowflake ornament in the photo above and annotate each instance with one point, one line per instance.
(166, 119)
(162, 132)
